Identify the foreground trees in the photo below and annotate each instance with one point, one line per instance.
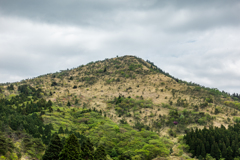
(53, 149)
(224, 142)
(72, 149)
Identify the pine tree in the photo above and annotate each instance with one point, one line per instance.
(3, 144)
(227, 142)
(100, 153)
(53, 149)
(224, 151)
(208, 149)
(229, 153)
(68, 104)
(234, 149)
(6, 145)
(47, 130)
(203, 152)
(87, 150)
(40, 129)
(60, 131)
(49, 103)
(212, 150)
(198, 151)
(71, 150)
(215, 151)
(66, 131)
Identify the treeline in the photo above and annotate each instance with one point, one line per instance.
(218, 142)
(76, 147)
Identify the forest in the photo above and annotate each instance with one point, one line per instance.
(218, 142)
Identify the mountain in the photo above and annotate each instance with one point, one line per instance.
(128, 105)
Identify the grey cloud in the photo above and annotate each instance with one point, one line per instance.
(169, 15)
(192, 40)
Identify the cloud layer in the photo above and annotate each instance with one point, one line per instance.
(196, 41)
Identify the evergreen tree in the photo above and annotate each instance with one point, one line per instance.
(49, 103)
(10, 87)
(47, 130)
(215, 151)
(198, 151)
(227, 142)
(203, 152)
(208, 149)
(229, 153)
(63, 141)
(54, 148)
(6, 145)
(71, 150)
(60, 131)
(66, 131)
(40, 129)
(3, 144)
(100, 153)
(44, 139)
(87, 150)
(114, 153)
(68, 104)
(224, 151)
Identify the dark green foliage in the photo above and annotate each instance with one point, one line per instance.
(22, 117)
(66, 131)
(182, 102)
(140, 126)
(54, 84)
(88, 80)
(49, 103)
(68, 104)
(125, 105)
(10, 87)
(215, 151)
(113, 153)
(229, 153)
(198, 151)
(87, 149)
(53, 149)
(74, 87)
(28, 90)
(71, 150)
(60, 131)
(30, 143)
(224, 151)
(203, 152)
(100, 153)
(6, 145)
(225, 142)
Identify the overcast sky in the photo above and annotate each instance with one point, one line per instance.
(194, 40)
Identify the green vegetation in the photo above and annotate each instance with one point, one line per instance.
(124, 106)
(218, 142)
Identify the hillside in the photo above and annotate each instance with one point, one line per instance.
(127, 104)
